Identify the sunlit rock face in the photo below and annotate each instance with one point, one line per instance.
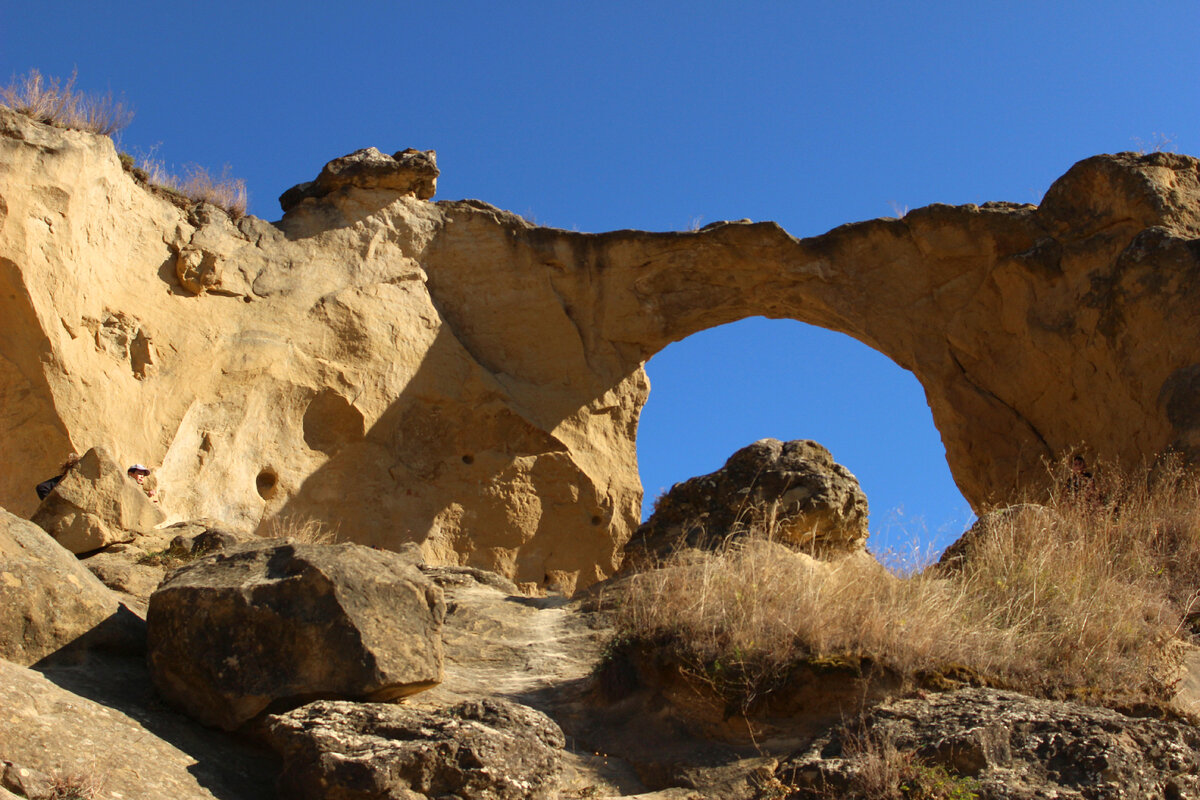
(447, 374)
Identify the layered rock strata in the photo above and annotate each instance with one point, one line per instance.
(447, 374)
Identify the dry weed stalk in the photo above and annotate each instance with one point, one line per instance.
(50, 101)
(1070, 597)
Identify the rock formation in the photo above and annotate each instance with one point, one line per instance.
(48, 600)
(234, 632)
(96, 504)
(476, 750)
(447, 374)
(1010, 746)
(793, 492)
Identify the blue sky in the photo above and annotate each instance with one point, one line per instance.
(598, 116)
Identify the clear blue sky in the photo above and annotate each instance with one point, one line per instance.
(655, 115)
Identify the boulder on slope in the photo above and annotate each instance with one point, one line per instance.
(270, 623)
(95, 505)
(49, 600)
(794, 492)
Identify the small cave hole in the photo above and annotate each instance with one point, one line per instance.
(597, 520)
(468, 459)
(266, 483)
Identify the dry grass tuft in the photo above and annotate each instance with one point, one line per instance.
(50, 101)
(1078, 596)
(304, 530)
(75, 786)
(196, 186)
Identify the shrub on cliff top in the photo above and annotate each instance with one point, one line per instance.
(50, 101)
(1081, 595)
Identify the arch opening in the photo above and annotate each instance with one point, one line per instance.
(721, 389)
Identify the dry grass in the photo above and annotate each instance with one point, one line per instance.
(1077, 597)
(50, 101)
(196, 186)
(304, 530)
(75, 786)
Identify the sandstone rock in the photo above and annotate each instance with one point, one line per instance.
(48, 600)
(1015, 747)
(234, 632)
(793, 492)
(449, 375)
(409, 171)
(121, 572)
(142, 754)
(484, 750)
(96, 504)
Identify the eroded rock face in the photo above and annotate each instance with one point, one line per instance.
(792, 492)
(232, 633)
(95, 505)
(477, 750)
(447, 374)
(1015, 747)
(48, 600)
(409, 171)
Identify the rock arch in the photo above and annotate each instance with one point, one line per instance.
(482, 377)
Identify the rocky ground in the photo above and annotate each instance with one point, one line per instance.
(524, 669)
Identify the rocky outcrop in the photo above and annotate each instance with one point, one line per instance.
(791, 492)
(48, 600)
(408, 172)
(1007, 746)
(232, 633)
(449, 375)
(476, 750)
(95, 505)
(140, 753)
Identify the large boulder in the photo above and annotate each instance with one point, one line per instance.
(792, 492)
(48, 600)
(95, 505)
(235, 632)
(476, 750)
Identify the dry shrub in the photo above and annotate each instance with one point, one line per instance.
(50, 101)
(304, 530)
(1078, 596)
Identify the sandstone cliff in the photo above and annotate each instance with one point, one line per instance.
(448, 374)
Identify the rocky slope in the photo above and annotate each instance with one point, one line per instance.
(445, 373)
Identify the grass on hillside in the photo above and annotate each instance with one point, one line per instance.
(50, 101)
(1083, 596)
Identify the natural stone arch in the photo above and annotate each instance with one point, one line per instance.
(497, 366)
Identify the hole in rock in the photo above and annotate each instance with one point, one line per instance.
(468, 459)
(331, 422)
(721, 389)
(266, 483)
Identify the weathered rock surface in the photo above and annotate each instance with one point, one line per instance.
(48, 600)
(793, 492)
(476, 750)
(409, 171)
(140, 753)
(232, 633)
(1016, 747)
(447, 374)
(96, 504)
